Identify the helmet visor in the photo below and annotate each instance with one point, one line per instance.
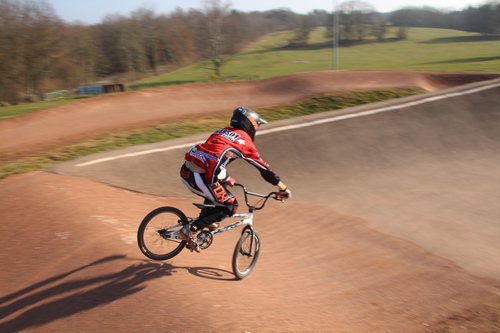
(261, 121)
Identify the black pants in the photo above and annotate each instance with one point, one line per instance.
(216, 194)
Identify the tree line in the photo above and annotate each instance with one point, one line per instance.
(40, 53)
(359, 19)
(484, 19)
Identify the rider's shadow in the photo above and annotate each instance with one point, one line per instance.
(212, 273)
(77, 295)
(80, 295)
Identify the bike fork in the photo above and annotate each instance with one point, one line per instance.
(252, 239)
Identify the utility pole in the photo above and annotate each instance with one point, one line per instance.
(336, 18)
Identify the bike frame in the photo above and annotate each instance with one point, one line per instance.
(246, 218)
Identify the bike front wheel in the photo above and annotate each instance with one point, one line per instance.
(246, 254)
(159, 236)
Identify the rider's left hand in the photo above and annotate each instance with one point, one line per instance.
(285, 194)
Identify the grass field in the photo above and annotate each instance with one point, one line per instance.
(425, 50)
(18, 110)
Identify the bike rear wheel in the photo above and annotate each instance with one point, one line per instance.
(246, 254)
(158, 236)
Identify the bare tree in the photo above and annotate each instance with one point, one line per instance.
(176, 44)
(82, 55)
(147, 22)
(29, 44)
(10, 48)
(215, 26)
(120, 43)
(300, 35)
(379, 29)
(356, 17)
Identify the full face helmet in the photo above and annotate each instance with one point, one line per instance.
(247, 120)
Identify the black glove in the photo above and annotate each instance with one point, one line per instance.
(284, 194)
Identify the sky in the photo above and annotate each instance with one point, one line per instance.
(93, 11)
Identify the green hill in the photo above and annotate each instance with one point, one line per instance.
(424, 50)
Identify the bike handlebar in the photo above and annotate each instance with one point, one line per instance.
(273, 195)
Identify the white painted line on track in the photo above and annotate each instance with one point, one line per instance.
(312, 123)
(139, 153)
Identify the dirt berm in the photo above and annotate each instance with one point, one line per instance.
(107, 114)
(393, 227)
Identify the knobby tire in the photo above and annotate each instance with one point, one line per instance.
(149, 239)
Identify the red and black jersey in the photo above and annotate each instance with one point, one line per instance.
(223, 147)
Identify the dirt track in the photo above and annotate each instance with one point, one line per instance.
(70, 262)
(111, 113)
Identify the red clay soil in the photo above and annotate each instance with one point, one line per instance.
(70, 262)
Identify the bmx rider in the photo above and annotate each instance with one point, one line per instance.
(204, 170)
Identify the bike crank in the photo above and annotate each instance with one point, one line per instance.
(205, 239)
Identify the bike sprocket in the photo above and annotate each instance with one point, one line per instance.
(205, 239)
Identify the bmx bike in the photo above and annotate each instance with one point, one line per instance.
(159, 235)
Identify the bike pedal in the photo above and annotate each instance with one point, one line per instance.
(214, 226)
(191, 249)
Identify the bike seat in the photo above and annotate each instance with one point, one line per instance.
(203, 206)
